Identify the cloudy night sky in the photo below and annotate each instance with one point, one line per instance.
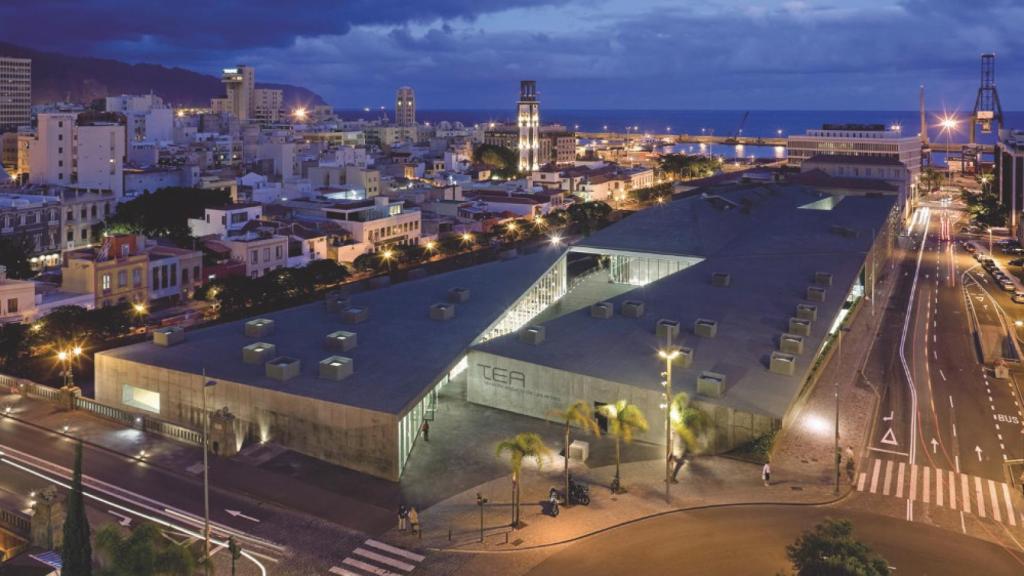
(635, 54)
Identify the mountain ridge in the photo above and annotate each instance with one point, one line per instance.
(57, 77)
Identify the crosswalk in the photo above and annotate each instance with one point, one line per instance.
(981, 497)
(378, 559)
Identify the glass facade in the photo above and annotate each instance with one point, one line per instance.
(545, 292)
(641, 270)
(409, 425)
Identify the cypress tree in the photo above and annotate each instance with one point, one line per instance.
(77, 551)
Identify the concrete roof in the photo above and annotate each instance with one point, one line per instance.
(400, 350)
(771, 253)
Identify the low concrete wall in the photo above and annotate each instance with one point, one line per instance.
(535, 390)
(363, 440)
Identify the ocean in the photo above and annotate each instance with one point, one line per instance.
(755, 123)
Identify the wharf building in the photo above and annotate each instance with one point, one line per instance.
(750, 282)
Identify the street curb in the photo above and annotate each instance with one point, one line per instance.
(840, 498)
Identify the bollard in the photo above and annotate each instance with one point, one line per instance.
(449, 533)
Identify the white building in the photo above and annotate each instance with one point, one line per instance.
(239, 85)
(528, 118)
(17, 299)
(268, 104)
(872, 140)
(15, 93)
(78, 151)
(148, 118)
(226, 220)
(375, 224)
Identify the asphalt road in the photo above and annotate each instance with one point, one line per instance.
(752, 540)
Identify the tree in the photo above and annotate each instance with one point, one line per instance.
(165, 213)
(930, 180)
(503, 162)
(984, 207)
(15, 252)
(143, 552)
(624, 420)
(76, 553)
(326, 273)
(681, 166)
(14, 345)
(830, 550)
(520, 447)
(589, 215)
(578, 414)
(688, 421)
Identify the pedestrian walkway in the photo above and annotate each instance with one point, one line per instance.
(378, 559)
(981, 497)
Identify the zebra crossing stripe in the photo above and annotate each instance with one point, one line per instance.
(965, 487)
(926, 496)
(980, 496)
(368, 567)
(913, 482)
(395, 550)
(341, 571)
(1009, 505)
(899, 480)
(383, 559)
(952, 490)
(874, 476)
(888, 478)
(995, 501)
(938, 487)
(861, 480)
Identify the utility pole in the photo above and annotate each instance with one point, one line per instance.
(669, 354)
(206, 472)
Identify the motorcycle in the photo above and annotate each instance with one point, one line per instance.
(553, 498)
(579, 493)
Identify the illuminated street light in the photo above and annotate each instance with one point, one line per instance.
(467, 237)
(556, 240)
(66, 358)
(668, 355)
(430, 246)
(300, 114)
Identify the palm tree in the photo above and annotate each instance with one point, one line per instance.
(624, 420)
(688, 421)
(581, 415)
(521, 447)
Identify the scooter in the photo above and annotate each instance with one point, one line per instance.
(553, 498)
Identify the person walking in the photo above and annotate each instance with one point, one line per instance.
(414, 520)
(425, 428)
(679, 462)
(766, 473)
(403, 517)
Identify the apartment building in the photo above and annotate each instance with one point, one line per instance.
(116, 272)
(84, 150)
(15, 93)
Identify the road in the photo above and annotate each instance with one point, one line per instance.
(947, 426)
(278, 540)
(753, 540)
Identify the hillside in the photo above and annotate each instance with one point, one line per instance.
(58, 77)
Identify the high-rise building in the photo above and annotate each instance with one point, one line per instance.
(239, 84)
(528, 118)
(405, 106)
(267, 104)
(15, 93)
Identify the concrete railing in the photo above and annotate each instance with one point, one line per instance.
(16, 522)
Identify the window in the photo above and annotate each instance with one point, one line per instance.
(277, 252)
(93, 210)
(141, 398)
(163, 276)
(174, 274)
(195, 273)
(85, 233)
(106, 209)
(84, 212)
(136, 277)
(12, 305)
(184, 275)
(156, 278)
(254, 257)
(266, 254)
(71, 216)
(125, 250)
(71, 235)
(106, 282)
(122, 278)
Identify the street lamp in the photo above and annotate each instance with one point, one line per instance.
(949, 124)
(990, 241)
(67, 358)
(206, 467)
(300, 114)
(669, 354)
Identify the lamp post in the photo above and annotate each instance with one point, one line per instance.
(480, 501)
(949, 124)
(66, 357)
(206, 468)
(668, 354)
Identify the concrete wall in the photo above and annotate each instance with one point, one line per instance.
(359, 439)
(535, 390)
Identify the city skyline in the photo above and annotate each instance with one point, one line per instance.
(613, 55)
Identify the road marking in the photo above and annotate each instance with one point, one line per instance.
(341, 571)
(861, 480)
(995, 501)
(887, 451)
(938, 487)
(927, 486)
(956, 458)
(889, 438)
(935, 354)
(979, 496)
(944, 378)
(368, 567)
(965, 493)
(384, 559)
(887, 487)
(952, 490)
(899, 480)
(395, 550)
(963, 524)
(1009, 505)
(913, 482)
(874, 476)
(954, 430)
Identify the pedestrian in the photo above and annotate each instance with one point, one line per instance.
(679, 462)
(849, 463)
(403, 517)
(766, 474)
(414, 520)
(425, 428)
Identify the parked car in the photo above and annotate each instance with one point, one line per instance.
(969, 247)
(1008, 285)
(1017, 262)
(1018, 297)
